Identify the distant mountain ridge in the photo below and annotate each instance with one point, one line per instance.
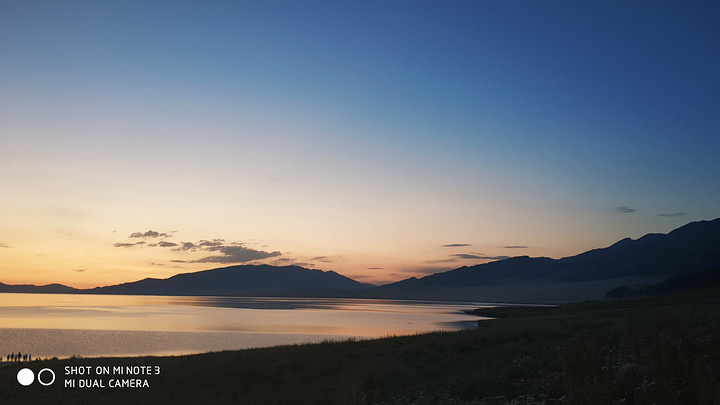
(651, 259)
(30, 288)
(247, 280)
(238, 280)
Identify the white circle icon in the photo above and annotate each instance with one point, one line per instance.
(25, 377)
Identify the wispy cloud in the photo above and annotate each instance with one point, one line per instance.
(457, 245)
(478, 256)
(303, 264)
(625, 210)
(422, 270)
(127, 245)
(673, 215)
(515, 247)
(149, 234)
(2, 245)
(287, 261)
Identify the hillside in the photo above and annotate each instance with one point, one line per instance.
(238, 280)
(686, 282)
(37, 289)
(650, 259)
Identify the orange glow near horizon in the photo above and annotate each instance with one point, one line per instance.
(353, 137)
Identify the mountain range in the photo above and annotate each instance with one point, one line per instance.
(651, 259)
(249, 280)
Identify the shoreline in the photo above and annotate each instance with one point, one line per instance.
(660, 349)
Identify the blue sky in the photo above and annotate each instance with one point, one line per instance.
(361, 137)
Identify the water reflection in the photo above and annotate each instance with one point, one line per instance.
(256, 302)
(197, 324)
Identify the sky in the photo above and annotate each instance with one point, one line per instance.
(378, 139)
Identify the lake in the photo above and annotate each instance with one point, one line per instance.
(64, 325)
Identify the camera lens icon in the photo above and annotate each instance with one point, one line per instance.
(45, 377)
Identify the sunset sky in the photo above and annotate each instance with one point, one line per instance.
(379, 139)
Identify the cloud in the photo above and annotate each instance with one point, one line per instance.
(457, 245)
(358, 277)
(286, 261)
(2, 245)
(515, 247)
(374, 268)
(478, 256)
(673, 215)
(186, 246)
(236, 253)
(625, 210)
(148, 234)
(127, 245)
(215, 244)
(79, 270)
(323, 259)
(423, 270)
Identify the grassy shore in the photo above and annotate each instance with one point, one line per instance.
(661, 350)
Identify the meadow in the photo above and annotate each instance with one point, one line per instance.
(657, 350)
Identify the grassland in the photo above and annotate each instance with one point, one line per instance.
(662, 350)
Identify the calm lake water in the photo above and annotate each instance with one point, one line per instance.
(63, 325)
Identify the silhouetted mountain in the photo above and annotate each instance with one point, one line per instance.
(648, 260)
(687, 282)
(684, 250)
(237, 280)
(500, 272)
(651, 258)
(29, 288)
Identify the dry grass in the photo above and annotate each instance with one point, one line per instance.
(655, 351)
